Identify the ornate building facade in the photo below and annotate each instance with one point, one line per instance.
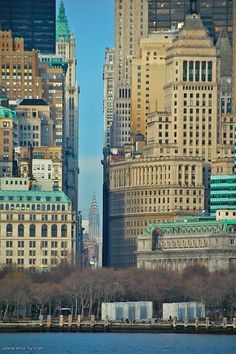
(37, 227)
(187, 242)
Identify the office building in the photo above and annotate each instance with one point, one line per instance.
(33, 20)
(43, 164)
(37, 227)
(35, 123)
(180, 146)
(223, 193)
(8, 138)
(52, 70)
(66, 49)
(130, 25)
(19, 76)
(94, 221)
(108, 95)
(148, 79)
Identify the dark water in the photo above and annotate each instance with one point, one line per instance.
(103, 343)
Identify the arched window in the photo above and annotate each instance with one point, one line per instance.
(27, 206)
(33, 206)
(21, 230)
(53, 207)
(32, 230)
(58, 207)
(7, 206)
(9, 229)
(54, 230)
(2, 207)
(63, 208)
(64, 230)
(38, 206)
(48, 207)
(43, 207)
(44, 230)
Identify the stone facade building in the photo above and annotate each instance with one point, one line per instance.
(187, 242)
(36, 227)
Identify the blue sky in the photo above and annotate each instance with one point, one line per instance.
(92, 22)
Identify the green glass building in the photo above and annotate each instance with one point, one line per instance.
(223, 193)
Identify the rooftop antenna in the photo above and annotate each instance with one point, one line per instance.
(193, 7)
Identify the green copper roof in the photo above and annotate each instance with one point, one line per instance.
(7, 113)
(62, 27)
(33, 196)
(199, 225)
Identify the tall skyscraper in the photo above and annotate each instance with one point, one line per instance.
(34, 20)
(66, 49)
(148, 79)
(108, 95)
(131, 18)
(215, 15)
(94, 222)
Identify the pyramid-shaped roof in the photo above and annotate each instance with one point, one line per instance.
(62, 27)
(225, 51)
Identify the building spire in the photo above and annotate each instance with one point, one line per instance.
(62, 28)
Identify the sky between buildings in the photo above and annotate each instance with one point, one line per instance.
(92, 22)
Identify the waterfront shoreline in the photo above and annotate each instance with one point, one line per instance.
(180, 328)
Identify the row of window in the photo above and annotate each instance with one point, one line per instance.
(32, 230)
(32, 244)
(43, 207)
(197, 71)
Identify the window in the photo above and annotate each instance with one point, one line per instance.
(197, 71)
(9, 229)
(44, 230)
(203, 71)
(32, 230)
(21, 230)
(209, 75)
(64, 230)
(191, 70)
(54, 230)
(185, 70)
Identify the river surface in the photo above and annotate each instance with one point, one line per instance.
(112, 343)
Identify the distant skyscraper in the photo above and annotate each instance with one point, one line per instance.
(34, 20)
(66, 48)
(94, 222)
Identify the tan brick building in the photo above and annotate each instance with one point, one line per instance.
(19, 75)
(148, 79)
